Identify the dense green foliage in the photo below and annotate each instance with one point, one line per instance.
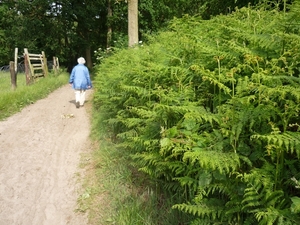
(71, 28)
(65, 29)
(210, 111)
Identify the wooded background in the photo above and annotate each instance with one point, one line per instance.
(68, 29)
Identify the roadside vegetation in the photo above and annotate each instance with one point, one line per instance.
(12, 101)
(198, 124)
(201, 124)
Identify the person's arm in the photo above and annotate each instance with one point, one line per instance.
(88, 78)
(72, 76)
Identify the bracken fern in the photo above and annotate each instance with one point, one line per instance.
(210, 110)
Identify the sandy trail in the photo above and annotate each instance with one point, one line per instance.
(40, 150)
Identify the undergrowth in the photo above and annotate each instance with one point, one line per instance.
(209, 112)
(115, 192)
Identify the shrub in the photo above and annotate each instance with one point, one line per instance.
(210, 110)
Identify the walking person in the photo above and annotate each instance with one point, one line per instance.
(80, 81)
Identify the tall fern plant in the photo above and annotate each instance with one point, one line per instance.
(210, 110)
(258, 122)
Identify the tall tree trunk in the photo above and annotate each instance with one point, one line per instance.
(133, 35)
(109, 30)
(88, 57)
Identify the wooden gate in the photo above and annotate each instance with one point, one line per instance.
(35, 66)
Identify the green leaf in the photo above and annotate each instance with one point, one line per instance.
(204, 179)
(295, 207)
(165, 142)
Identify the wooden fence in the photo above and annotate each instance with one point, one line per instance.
(55, 65)
(35, 66)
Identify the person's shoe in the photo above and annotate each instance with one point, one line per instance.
(77, 105)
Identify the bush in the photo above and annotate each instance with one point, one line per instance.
(209, 110)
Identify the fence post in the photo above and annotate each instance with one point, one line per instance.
(16, 60)
(27, 67)
(13, 75)
(55, 64)
(45, 66)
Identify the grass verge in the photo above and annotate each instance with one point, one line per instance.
(13, 101)
(115, 193)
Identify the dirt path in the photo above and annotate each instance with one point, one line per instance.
(40, 150)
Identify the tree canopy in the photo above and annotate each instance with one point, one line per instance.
(71, 28)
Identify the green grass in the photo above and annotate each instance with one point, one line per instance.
(12, 101)
(114, 193)
(5, 83)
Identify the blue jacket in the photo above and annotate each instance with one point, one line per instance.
(80, 77)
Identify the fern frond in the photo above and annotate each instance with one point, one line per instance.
(213, 160)
(290, 141)
(213, 80)
(112, 121)
(218, 188)
(202, 222)
(295, 207)
(186, 181)
(209, 208)
(148, 163)
(282, 92)
(267, 217)
(142, 112)
(201, 115)
(132, 122)
(178, 109)
(275, 216)
(128, 134)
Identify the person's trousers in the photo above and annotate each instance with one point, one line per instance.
(80, 96)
